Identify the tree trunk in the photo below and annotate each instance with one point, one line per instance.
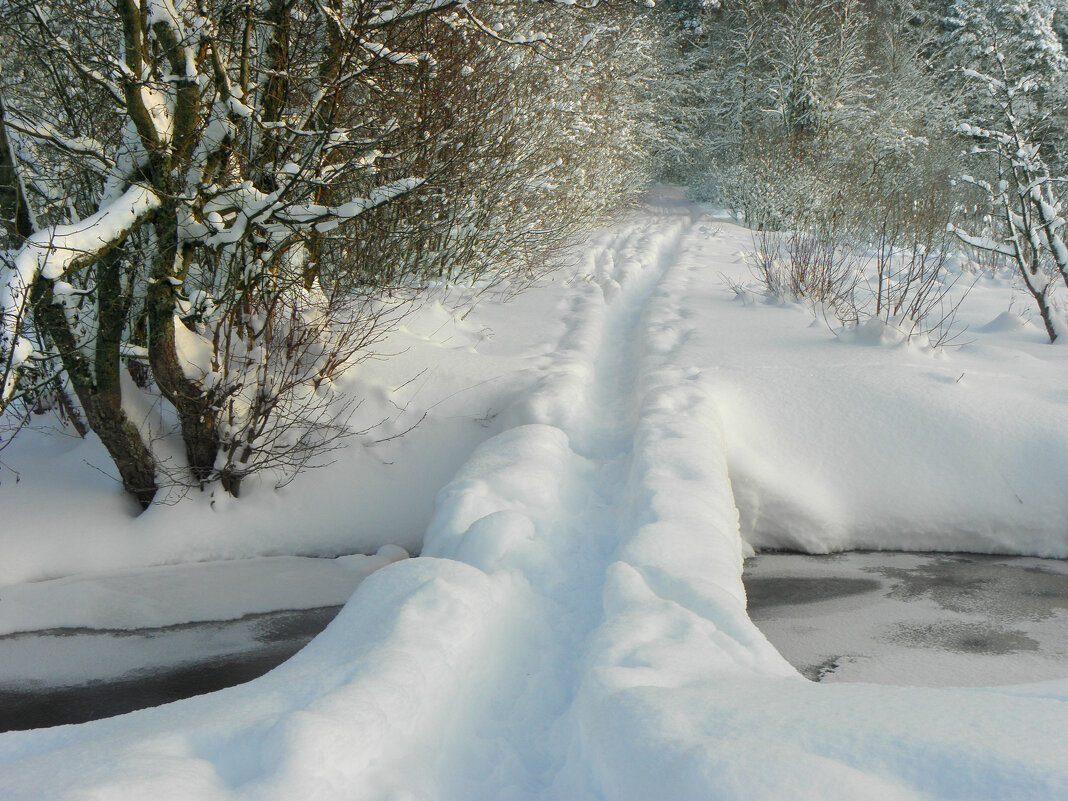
(97, 386)
(15, 214)
(196, 412)
(196, 417)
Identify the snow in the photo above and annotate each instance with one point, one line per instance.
(604, 451)
(82, 630)
(167, 596)
(880, 447)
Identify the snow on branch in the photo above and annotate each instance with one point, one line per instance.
(981, 242)
(43, 131)
(527, 40)
(392, 14)
(400, 58)
(271, 207)
(54, 251)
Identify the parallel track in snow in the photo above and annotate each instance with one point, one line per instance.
(590, 395)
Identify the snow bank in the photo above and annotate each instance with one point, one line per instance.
(849, 442)
(64, 513)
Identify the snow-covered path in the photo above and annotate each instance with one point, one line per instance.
(569, 504)
(575, 627)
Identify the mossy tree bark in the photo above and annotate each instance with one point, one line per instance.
(196, 410)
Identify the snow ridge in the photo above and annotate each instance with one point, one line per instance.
(585, 448)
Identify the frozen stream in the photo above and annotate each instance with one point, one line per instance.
(58, 676)
(913, 618)
(881, 617)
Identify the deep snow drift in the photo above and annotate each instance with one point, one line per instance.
(575, 626)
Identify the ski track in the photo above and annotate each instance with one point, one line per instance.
(590, 395)
(611, 373)
(622, 610)
(574, 630)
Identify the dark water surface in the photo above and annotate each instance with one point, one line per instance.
(895, 618)
(183, 660)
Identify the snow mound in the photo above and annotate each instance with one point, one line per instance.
(1006, 321)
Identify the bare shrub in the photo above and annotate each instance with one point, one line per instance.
(800, 265)
(912, 286)
(272, 362)
(906, 284)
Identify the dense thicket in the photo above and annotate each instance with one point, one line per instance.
(876, 121)
(226, 200)
(226, 203)
(795, 111)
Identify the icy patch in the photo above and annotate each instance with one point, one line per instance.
(168, 596)
(914, 619)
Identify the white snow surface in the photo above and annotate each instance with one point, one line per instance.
(166, 596)
(575, 627)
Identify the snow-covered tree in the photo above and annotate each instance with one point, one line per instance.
(1014, 61)
(797, 112)
(214, 190)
